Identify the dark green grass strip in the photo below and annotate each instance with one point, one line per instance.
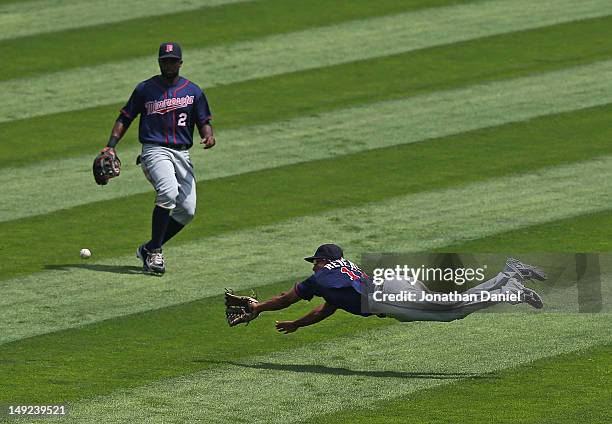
(12, 1)
(137, 349)
(571, 388)
(586, 233)
(115, 227)
(193, 29)
(321, 90)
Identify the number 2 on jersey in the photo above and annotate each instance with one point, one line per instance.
(182, 120)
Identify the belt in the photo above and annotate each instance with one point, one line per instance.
(179, 147)
(176, 146)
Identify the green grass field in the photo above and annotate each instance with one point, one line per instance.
(387, 126)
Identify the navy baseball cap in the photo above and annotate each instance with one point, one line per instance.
(170, 50)
(326, 251)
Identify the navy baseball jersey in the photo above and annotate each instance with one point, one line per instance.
(168, 113)
(340, 283)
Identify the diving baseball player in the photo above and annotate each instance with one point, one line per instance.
(169, 106)
(343, 285)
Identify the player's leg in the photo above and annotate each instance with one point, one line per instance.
(424, 309)
(158, 166)
(421, 308)
(410, 307)
(185, 208)
(159, 224)
(174, 227)
(509, 281)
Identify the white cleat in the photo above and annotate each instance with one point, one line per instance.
(155, 262)
(152, 261)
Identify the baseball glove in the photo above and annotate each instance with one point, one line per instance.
(106, 166)
(238, 308)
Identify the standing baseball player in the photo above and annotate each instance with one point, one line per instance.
(169, 106)
(343, 285)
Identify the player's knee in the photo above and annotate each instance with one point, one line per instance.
(188, 214)
(183, 218)
(184, 214)
(167, 198)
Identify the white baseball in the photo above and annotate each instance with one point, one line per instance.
(85, 253)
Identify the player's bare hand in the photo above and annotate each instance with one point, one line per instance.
(286, 326)
(208, 142)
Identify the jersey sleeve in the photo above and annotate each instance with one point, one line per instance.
(202, 110)
(306, 289)
(133, 107)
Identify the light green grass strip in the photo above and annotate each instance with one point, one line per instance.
(45, 187)
(351, 372)
(37, 17)
(82, 293)
(107, 84)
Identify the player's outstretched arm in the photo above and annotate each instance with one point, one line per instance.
(281, 301)
(243, 309)
(318, 314)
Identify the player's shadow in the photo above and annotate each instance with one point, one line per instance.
(115, 269)
(323, 369)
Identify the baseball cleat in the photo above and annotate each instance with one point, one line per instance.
(142, 253)
(532, 298)
(527, 271)
(155, 262)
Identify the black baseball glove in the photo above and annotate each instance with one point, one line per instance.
(106, 166)
(238, 308)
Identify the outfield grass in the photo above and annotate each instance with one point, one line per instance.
(341, 86)
(313, 48)
(195, 28)
(587, 233)
(36, 17)
(540, 392)
(74, 363)
(379, 363)
(396, 126)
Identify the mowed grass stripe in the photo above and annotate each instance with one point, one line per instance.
(391, 77)
(264, 199)
(403, 121)
(569, 388)
(194, 29)
(344, 373)
(78, 293)
(318, 47)
(588, 233)
(43, 16)
(168, 342)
